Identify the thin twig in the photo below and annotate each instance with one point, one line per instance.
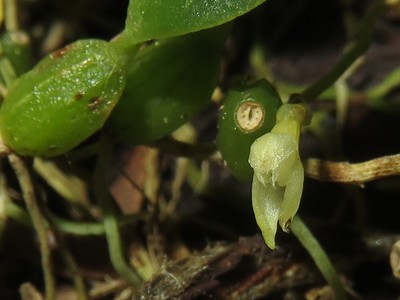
(358, 173)
(38, 221)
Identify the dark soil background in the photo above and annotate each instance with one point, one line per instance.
(211, 244)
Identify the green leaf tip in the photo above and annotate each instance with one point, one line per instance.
(154, 19)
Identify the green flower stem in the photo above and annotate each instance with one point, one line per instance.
(110, 221)
(365, 30)
(377, 95)
(38, 221)
(19, 215)
(78, 228)
(306, 238)
(90, 228)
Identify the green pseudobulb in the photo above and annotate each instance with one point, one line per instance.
(63, 100)
(248, 113)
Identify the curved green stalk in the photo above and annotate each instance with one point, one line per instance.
(19, 215)
(110, 221)
(306, 238)
(365, 30)
(90, 228)
(377, 95)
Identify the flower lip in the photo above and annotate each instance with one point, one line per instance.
(271, 157)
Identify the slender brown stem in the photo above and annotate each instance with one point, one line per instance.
(38, 221)
(358, 173)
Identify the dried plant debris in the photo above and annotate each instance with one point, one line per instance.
(242, 270)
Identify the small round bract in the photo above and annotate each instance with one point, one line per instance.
(63, 100)
(248, 112)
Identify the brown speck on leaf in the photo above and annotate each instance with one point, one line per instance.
(94, 102)
(78, 96)
(61, 52)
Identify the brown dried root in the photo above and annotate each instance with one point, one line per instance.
(357, 173)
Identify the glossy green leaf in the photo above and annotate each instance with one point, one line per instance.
(153, 19)
(168, 82)
(63, 100)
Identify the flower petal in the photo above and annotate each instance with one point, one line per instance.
(282, 173)
(293, 192)
(267, 201)
(268, 154)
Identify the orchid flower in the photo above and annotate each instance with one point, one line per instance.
(278, 172)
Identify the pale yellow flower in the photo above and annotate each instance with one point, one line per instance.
(278, 173)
